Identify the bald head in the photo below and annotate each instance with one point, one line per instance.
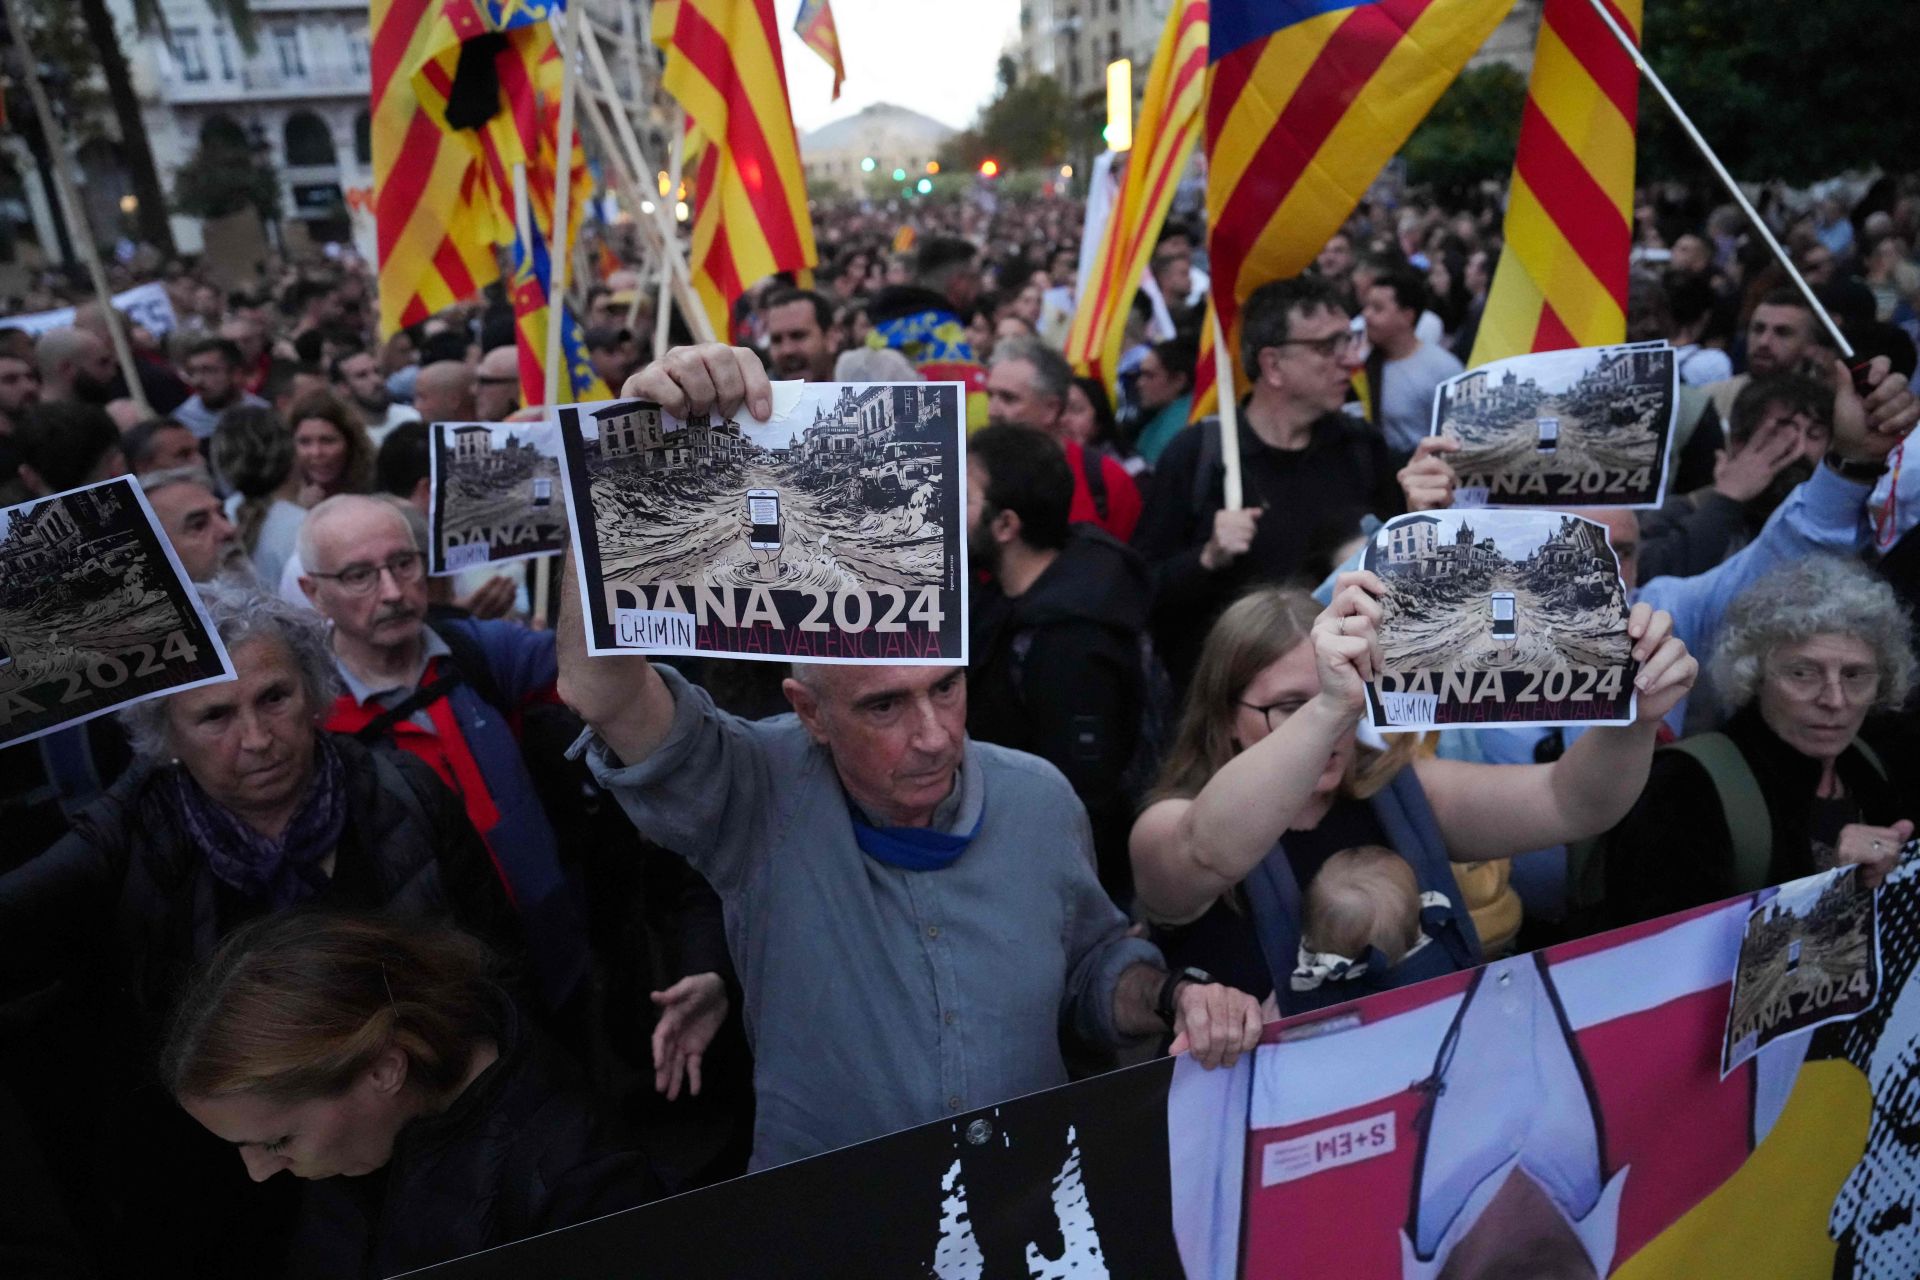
(66, 347)
(497, 390)
(75, 365)
(342, 520)
(444, 392)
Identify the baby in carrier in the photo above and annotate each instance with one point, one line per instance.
(1362, 915)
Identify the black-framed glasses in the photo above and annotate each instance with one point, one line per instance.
(358, 579)
(1285, 707)
(1345, 342)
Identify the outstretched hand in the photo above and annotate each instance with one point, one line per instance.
(1667, 670)
(691, 1011)
(1346, 640)
(708, 378)
(1428, 480)
(1216, 1023)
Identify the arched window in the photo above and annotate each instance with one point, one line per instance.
(308, 140)
(363, 138)
(220, 133)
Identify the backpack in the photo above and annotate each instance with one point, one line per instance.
(1159, 709)
(1743, 806)
(1093, 466)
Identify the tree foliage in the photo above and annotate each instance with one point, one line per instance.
(1030, 122)
(221, 178)
(1470, 135)
(1782, 89)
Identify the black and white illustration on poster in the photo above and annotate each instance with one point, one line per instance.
(1807, 958)
(1581, 428)
(95, 611)
(495, 494)
(1499, 617)
(832, 532)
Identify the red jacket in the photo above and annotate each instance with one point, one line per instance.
(1123, 496)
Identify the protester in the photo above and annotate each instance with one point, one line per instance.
(253, 451)
(61, 445)
(196, 525)
(357, 378)
(19, 391)
(1027, 386)
(873, 862)
(159, 444)
(1163, 388)
(1788, 787)
(1265, 780)
(331, 451)
(1782, 337)
(420, 688)
(75, 367)
(800, 333)
(1308, 471)
(1409, 370)
(335, 1047)
(922, 320)
(214, 369)
(496, 384)
(1088, 419)
(444, 392)
(1056, 667)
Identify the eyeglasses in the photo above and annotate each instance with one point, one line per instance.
(1345, 342)
(358, 579)
(1286, 707)
(1807, 680)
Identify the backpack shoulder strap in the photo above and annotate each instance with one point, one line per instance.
(1206, 465)
(1093, 466)
(471, 664)
(1742, 804)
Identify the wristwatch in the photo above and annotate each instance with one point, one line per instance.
(1163, 1004)
(1856, 471)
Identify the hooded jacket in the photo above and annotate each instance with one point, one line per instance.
(1058, 672)
(923, 326)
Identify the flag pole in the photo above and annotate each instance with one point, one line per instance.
(68, 198)
(1229, 412)
(1726, 179)
(671, 251)
(559, 252)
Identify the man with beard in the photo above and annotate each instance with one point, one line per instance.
(214, 369)
(19, 392)
(75, 366)
(1779, 430)
(357, 376)
(801, 335)
(1782, 337)
(190, 515)
(1056, 631)
(444, 693)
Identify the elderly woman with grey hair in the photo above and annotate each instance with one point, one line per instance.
(1789, 787)
(238, 804)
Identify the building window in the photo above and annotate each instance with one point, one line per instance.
(286, 46)
(1113, 46)
(185, 43)
(357, 53)
(1113, 6)
(225, 55)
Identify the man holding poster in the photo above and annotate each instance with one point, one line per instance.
(879, 870)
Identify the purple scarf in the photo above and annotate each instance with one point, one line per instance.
(280, 872)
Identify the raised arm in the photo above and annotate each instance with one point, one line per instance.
(1498, 810)
(622, 697)
(1186, 853)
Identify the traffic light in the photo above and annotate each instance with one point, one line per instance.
(924, 186)
(899, 175)
(866, 166)
(989, 168)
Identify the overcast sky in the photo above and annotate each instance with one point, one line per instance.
(934, 56)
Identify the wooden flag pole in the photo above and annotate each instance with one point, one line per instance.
(71, 208)
(1229, 413)
(559, 251)
(1726, 179)
(672, 254)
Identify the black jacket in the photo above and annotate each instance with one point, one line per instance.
(1313, 499)
(523, 1150)
(1057, 672)
(127, 898)
(1674, 851)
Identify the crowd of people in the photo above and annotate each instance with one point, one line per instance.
(476, 935)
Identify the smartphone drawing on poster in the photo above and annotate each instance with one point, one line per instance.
(834, 531)
(1496, 617)
(1589, 427)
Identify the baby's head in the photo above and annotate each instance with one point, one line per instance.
(1363, 897)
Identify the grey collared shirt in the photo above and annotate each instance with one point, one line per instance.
(431, 647)
(876, 998)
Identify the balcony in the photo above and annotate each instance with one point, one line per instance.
(257, 83)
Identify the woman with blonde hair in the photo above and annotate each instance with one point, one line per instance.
(1266, 780)
(333, 1046)
(333, 452)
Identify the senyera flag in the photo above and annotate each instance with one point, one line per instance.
(1306, 101)
(724, 66)
(1562, 279)
(1163, 141)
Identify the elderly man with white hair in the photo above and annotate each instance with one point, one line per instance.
(914, 915)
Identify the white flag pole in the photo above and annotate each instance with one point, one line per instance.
(1229, 413)
(1726, 179)
(559, 252)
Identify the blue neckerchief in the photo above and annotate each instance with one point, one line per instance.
(912, 848)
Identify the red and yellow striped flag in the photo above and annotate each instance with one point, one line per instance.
(724, 67)
(1163, 141)
(1562, 279)
(1306, 101)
